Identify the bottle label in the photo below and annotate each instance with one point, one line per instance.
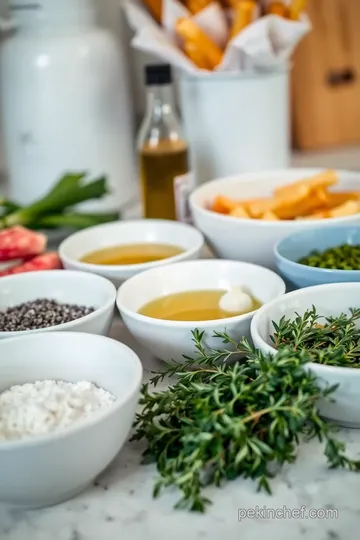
(182, 190)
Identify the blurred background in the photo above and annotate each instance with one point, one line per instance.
(325, 86)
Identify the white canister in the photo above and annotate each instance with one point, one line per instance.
(65, 101)
(236, 123)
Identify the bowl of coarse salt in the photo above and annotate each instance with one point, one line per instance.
(67, 404)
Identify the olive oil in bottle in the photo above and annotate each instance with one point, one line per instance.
(163, 152)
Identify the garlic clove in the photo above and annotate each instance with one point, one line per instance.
(236, 300)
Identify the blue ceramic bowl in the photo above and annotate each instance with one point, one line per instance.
(295, 246)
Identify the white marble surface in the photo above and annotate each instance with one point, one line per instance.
(120, 505)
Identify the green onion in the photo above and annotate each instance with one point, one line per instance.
(71, 190)
(75, 221)
(7, 206)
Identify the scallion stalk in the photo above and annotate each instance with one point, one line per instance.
(71, 190)
(75, 221)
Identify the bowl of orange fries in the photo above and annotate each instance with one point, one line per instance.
(243, 217)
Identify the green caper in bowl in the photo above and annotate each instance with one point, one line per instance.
(343, 257)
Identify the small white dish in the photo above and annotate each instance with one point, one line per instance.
(130, 232)
(170, 340)
(330, 299)
(253, 240)
(48, 469)
(66, 287)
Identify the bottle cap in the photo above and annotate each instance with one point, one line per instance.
(158, 74)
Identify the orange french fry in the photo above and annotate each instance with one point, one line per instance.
(349, 208)
(246, 203)
(322, 180)
(270, 216)
(245, 12)
(302, 202)
(223, 205)
(320, 214)
(229, 3)
(195, 55)
(189, 31)
(239, 212)
(283, 206)
(336, 198)
(277, 8)
(292, 211)
(155, 8)
(317, 200)
(195, 6)
(296, 8)
(258, 208)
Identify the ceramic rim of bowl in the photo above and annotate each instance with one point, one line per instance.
(96, 417)
(204, 324)
(63, 326)
(141, 267)
(294, 264)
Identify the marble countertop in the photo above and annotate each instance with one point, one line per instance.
(119, 506)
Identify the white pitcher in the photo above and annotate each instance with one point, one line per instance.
(65, 101)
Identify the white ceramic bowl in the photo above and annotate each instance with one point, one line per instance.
(330, 299)
(48, 469)
(66, 287)
(170, 340)
(249, 239)
(130, 232)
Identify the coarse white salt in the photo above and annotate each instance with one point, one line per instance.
(45, 406)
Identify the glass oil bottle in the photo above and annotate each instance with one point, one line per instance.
(163, 151)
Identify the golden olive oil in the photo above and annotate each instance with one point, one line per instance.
(190, 306)
(159, 166)
(131, 254)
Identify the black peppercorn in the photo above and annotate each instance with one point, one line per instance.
(40, 313)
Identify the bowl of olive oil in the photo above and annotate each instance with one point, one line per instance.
(122, 249)
(163, 306)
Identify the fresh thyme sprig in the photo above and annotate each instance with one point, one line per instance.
(220, 421)
(204, 357)
(331, 341)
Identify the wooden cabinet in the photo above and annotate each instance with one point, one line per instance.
(326, 77)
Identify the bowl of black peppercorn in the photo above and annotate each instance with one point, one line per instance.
(55, 300)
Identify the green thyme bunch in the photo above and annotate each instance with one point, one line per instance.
(219, 421)
(333, 341)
